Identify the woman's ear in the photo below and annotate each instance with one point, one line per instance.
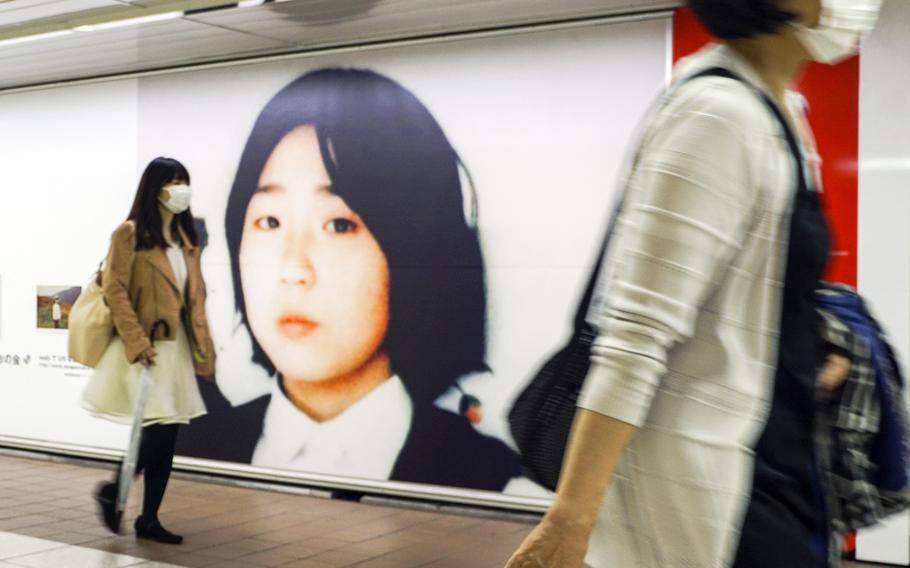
(468, 195)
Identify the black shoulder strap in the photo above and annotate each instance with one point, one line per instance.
(801, 184)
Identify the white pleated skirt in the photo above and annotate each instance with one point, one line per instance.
(174, 396)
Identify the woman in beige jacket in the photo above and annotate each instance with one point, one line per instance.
(153, 273)
(710, 276)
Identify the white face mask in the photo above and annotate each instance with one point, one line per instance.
(180, 198)
(841, 27)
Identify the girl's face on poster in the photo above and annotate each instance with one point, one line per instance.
(315, 281)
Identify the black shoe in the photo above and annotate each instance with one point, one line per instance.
(152, 530)
(106, 496)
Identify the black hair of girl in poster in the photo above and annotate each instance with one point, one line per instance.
(358, 273)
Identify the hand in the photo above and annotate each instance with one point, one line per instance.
(147, 357)
(553, 544)
(834, 372)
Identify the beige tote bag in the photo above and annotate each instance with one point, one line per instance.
(90, 325)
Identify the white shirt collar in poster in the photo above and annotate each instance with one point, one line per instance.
(363, 442)
(238, 378)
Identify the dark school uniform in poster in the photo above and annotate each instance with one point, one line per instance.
(441, 448)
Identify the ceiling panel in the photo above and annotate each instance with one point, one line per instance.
(159, 45)
(323, 22)
(267, 29)
(20, 11)
(152, 3)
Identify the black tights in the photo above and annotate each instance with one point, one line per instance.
(156, 457)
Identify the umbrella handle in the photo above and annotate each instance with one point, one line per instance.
(154, 331)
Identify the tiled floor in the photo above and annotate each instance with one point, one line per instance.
(232, 527)
(48, 520)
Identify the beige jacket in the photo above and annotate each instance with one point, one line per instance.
(140, 288)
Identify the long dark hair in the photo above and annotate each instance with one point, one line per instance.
(390, 161)
(145, 212)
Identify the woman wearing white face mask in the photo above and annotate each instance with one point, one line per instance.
(707, 318)
(153, 273)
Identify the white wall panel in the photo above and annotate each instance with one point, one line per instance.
(884, 209)
(69, 172)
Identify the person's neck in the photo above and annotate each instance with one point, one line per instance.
(777, 60)
(166, 219)
(324, 400)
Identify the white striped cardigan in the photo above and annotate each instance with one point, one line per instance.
(689, 325)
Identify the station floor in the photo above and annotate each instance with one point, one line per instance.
(48, 520)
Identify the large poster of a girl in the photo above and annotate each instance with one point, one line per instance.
(358, 275)
(397, 239)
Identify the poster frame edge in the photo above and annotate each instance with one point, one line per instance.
(313, 481)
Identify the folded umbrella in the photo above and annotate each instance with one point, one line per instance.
(130, 459)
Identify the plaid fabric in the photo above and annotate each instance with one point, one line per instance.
(847, 422)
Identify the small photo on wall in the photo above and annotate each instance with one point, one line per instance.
(54, 305)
